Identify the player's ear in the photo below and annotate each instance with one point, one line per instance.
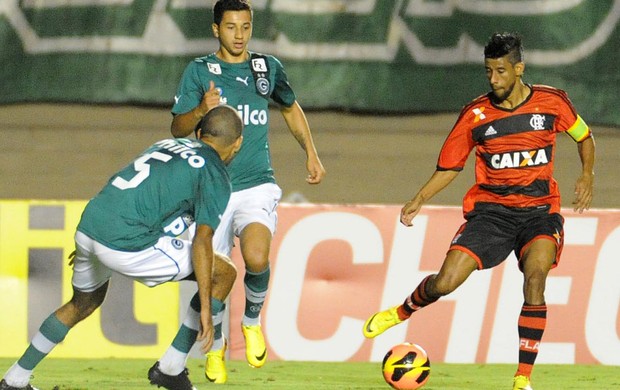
(519, 68)
(215, 28)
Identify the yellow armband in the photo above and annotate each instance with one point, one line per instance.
(579, 130)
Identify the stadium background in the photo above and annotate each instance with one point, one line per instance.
(381, 93)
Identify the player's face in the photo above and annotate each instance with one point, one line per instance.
(502, 76)
(234, 33)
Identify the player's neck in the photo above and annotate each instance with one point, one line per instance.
(231, 58)
(519, 94)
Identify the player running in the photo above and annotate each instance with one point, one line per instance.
(515, 202)
(245, 80)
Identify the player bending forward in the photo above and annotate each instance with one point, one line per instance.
(514, 204)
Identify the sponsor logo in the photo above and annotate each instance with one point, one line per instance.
(176, 99)
(183, 149)
(252, 117)
(214, 68)
(519, 159)
(537, 122)
(259, 65)
(490, 131)
(478, 112)
(244, 81)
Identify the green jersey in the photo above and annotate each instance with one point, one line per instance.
(171, 180)
(247, 87)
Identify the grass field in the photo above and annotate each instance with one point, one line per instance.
(111, 374)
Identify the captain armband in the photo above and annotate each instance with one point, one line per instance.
(579, 130)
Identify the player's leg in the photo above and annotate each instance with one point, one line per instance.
(456, 268)
(224, 275)
(90, 284)
(255, 243)
(536, 262)
(51, 332)
(255, 223)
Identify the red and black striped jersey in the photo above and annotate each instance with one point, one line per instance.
(515, 148)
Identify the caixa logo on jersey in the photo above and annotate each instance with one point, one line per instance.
(520, 159)
(252, 117)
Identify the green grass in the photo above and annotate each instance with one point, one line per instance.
(111, 374)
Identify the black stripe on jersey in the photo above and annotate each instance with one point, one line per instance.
(513, 124)
(537, 189)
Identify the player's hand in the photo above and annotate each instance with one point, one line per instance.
(315, 170)
(584, 189)
(206, 331)
(211, 98)
(410, 210)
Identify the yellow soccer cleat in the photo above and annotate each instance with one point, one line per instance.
(255, 349)
(215, 368)
(380, 322)
(521, 382)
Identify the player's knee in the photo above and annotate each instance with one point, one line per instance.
(256, 263)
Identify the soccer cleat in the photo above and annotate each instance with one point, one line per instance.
(380, 322)
(215, 368)
(170, 382)
(6, 386)
(255, 349)
(521, 382)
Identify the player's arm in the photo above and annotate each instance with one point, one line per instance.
(585, 183)
(297, 123)
(202, 262)
(184, 124)
(433, 186)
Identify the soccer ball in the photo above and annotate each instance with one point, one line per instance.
(406, 366)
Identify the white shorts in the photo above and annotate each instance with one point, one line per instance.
(256, 204)
(168, 260)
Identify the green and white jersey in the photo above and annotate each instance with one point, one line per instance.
(171, 180)
(240, 86)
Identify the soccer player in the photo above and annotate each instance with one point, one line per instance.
(514, 204)
(245, 80)
(124, 229)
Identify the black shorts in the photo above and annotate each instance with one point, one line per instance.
(492, 231)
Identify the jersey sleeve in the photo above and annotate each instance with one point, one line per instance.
(190, 89)
(282, 92)
(569, 121)
(456, 147)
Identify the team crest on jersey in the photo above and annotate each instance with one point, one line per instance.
(537, 122)
(177, 244)
(214, 68)
(262, 85)
(259, 65)
(478, 112)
